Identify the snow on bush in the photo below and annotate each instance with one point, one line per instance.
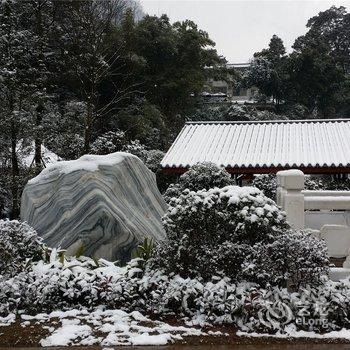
(153, 159)
(19, 244)
(202, 225)
(338, 184)
(268, 184)
(200, 176)
(233, 232)
(136, 148)
(296, 257)
(76, 283)
(109, 142)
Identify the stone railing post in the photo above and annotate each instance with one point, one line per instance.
(290, 197)
(281, 191)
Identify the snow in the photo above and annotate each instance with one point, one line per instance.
(146, 339)
(290, 172)
(112, 327)
(48, 157)
(87, 162)
(291, 332)
(65, 335)
(26, 154)
(214, 302)
(82, 327)
(235, 193)
(7, 320)
(235, 145)
(327, 202)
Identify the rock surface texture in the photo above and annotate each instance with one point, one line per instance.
(107, 204)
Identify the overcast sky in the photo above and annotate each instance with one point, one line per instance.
(241, 28)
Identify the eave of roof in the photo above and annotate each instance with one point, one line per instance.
(278, 121)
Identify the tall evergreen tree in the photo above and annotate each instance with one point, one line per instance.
(15, 83)
(175, 60)
(276, 49)
(267, 71)
(329, 30)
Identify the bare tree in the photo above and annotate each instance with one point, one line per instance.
(95, 56)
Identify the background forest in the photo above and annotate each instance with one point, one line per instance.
(99, 76)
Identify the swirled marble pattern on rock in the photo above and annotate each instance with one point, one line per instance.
(108, 204)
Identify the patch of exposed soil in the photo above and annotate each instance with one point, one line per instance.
(16, 335)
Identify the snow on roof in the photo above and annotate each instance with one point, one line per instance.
(262, 144)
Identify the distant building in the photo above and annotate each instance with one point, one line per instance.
(313, 146)
(228, 88)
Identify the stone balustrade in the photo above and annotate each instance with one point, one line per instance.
(294, 200)
(327, 213)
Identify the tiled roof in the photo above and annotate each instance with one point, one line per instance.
(263, 144)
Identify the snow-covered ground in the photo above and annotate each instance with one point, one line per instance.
(106, 328)
(26, 154)
(291, 332)
(103, 328)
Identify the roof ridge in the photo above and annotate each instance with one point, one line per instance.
(281, 121)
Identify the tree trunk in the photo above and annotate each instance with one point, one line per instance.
(14, 172)
(38, 139)
(87, 129)
(40, 108)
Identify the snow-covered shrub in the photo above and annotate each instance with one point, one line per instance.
(64, 131)
(80, 282)
(234, 112)
(207, 112)
(69, 282)
(142, 121)
(274, 309)
(240, 233)
(67, 146)
(268, 184)
(136, 148)
(265, 310)
(338, 184)
(72, 283)
(153, 159)
(313, 183)
(295, 256)
(296, 111)
(109, 142)
(200, 176)
(19, 243)
(201, 224)
(250, 113)
(205, 176)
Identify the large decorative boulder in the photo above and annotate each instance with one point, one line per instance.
(105, 204)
